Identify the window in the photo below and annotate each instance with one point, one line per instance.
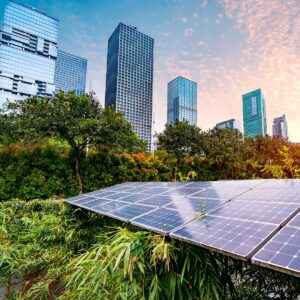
(254, 106)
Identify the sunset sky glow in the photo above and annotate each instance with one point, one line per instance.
(229, 47)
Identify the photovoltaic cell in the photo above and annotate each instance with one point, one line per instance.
(93, 203)
(182, 191)
(131, 211)
(272, 195)
(157, 190)
(246, 184)
(232, 237)
(295, 222)
(280, 184)
(81, 200)
(233, 217)
(282, 252)
(203, 184)
(157, 200)
(109, 206)
(197, 205)
(275, 213)
(163, 220)
(218, 193)
(132, 198)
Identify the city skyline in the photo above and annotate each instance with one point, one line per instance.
(227, 47)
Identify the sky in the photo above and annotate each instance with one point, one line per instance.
(229, 47)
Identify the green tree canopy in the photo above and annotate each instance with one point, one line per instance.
(78, 120)
(181, 139)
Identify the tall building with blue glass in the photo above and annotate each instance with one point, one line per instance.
(254, 114)
(182, 100)
(28, 51)
(70, 73)
(129, 78)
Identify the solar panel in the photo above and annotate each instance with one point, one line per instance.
(247, 184)
(272, 195)
(238, 218)
(282, 252)
(132, 198)
(280, 184)
(163, 220)
(158, 190)
(233, 237)
(218, 193)
(295, 222)
(158, 200)
(275, 213)
(202, 184)
(80, 200)
(109, 206)
(182, 191)
(197, 205)
(131, 211)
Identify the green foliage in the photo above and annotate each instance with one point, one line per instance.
(67, 253)
(180, 139)
(77, 120)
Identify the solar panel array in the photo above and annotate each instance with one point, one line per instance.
(246, 219)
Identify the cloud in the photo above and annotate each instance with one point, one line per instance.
(165, 33)
(183, 19)
(189, 31)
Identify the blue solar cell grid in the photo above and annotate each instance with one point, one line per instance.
(236, 238)
(238, 218)
(282, 252)
(163, 220)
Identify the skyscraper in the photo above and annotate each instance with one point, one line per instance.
(254, 113)
(182, 100)
(280, 127)
(129, 77)
(28, 51)
(231, 124)
(70, 73)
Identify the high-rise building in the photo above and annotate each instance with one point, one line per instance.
(182, 100)
(254, 113)
(28, 51)
(231, 124)
(70, 73)
(280, 127)
(129, 78)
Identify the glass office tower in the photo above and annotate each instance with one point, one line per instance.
(182, 100)
(28, 51)
(280, 128)
(254, 113)
(230, 124)
(129, 78)
(70, 73)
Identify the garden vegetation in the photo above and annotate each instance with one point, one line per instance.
(58, 147)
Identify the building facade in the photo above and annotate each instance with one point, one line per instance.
(182, 100)
(254, 114)
(231, 124)
(28, 51)
(129, 78)
(280, 128)
(70, 73)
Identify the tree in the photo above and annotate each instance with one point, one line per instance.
(224, 147)
(78, 120)
(181, 139)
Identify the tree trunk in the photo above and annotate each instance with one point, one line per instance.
(78, 174)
